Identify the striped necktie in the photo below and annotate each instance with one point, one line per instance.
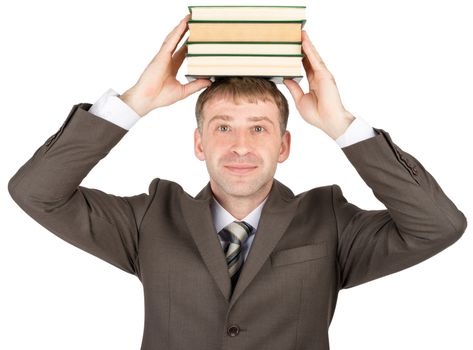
(234, 235)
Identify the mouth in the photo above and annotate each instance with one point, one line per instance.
(243, 169)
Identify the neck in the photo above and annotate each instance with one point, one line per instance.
(241, 206)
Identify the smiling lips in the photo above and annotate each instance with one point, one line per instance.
(240, 168)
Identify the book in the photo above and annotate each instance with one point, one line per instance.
(244, 64)
(262, 41)
(245, 31)
(277, 79)
(242, 47)
(232, 13)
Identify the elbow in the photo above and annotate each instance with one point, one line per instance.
(13, 189)
(456, 228)
(460, 225)
(18, 191)
(34, 198)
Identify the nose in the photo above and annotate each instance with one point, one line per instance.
(241, 143)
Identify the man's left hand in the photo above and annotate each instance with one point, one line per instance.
(321, 106)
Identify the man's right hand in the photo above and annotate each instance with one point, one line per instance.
(157, 85)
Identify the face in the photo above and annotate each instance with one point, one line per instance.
(241, 145)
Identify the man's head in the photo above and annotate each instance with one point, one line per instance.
(241, 135)
(250, 89)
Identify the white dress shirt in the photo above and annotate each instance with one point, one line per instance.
(110, 107)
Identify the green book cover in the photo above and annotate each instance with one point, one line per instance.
(245, 21)
(263, 11)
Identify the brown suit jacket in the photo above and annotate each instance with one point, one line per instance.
(307, 247)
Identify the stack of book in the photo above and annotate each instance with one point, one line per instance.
(263, 41)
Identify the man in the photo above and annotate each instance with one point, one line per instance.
(245, 264)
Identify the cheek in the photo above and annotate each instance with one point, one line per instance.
(213, 152)
(272, 151)
(217, 146)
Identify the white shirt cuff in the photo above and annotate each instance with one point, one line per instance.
(357, 131)
(110, 107)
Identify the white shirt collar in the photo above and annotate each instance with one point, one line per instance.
(222, 217)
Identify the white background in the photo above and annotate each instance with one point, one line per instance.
(404, 66)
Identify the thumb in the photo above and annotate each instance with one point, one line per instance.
(294, 89)
(195, 86)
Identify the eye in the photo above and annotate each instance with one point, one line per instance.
(220, 127)
(259, 128)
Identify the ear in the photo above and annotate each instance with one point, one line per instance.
(198, 149)
(285, 147)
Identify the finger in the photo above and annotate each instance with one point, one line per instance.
(195, 86)
(175, 36)
(311, 53)
(308, 68)
(178, 57)
(294, 89)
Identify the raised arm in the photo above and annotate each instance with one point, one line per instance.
(419, 220)
(47, 187)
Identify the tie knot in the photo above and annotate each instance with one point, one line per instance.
(236, 232)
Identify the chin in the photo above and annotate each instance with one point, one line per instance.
(240, 188)
(242, 192)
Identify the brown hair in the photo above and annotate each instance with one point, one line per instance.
(250, 88)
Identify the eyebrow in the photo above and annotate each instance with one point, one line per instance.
(227, 117)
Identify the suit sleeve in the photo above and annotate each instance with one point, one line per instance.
(419, 220)
(47, 187)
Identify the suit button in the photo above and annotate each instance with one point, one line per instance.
(233, 330)
(414, 170)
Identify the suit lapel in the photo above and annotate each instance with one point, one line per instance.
(198, 216)
(276, 215)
